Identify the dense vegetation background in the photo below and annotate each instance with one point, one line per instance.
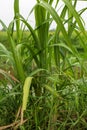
(43, 75)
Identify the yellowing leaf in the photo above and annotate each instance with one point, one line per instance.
(26, 89)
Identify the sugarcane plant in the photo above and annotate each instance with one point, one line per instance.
(43, 78)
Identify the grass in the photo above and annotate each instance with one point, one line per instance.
(43, 74)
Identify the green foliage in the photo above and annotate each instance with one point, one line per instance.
(55, 98)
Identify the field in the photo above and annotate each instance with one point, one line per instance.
(43, 73)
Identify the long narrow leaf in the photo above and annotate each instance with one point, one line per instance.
(26, 89)
(59, 23)
(76, 15)
(16, 13)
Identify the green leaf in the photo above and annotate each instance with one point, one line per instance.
(36, 71)
(17, 16)
(3, 25)
(75, 14)
(52, 91)
(64, 46)
(59, 23)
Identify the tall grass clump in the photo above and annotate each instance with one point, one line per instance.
(43, 75)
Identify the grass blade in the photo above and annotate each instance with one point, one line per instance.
(26, 89)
